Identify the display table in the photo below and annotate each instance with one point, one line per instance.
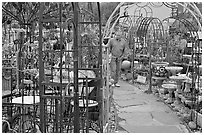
(57, 80)
(83, 104)
(29, 100)
(27, 82)
(68, 87)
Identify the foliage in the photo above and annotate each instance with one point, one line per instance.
(26, 13)
(106, 10)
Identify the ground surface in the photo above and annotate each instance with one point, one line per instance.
(139, 112)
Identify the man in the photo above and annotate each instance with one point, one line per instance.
(182, 44)
(118, 49)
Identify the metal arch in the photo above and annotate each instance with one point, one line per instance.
(135, 25)
(141, 31)
(187, 8)
(109, 20)
(190, 27)
(156, 25)
(167, 5)
(196, 8)
(185, 22)
(158, 29)
(193, 34)
(139, 10)
(74, 120)
(151, 13)
(146, 3)
(107, 27)
(192, 13)
(153, 5)
(143, 27)
(111, 29)
(126, 20)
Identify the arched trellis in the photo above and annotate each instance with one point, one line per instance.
(196, 13)
(144, 25)
(150, 31)
(63, 88)
(195, 65)
(191, 29)
(79, 74)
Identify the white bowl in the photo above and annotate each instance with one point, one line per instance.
(174, 69)
(169, 86)
(160, 64)
(178, 77)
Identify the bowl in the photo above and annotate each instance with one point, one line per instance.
(169, 86)
(174, 69)
(177, 78)
(160, 64)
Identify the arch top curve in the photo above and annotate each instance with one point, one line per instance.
(192, 30)
(188, 6)
(145, 23)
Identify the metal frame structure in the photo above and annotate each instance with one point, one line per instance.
(76, 119)
(189, 6)
(195, 65)
(73, 106)
(151, 31)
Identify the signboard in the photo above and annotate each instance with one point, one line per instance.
(141, 79)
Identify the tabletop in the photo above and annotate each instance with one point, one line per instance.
(26, 100)
(82, 103)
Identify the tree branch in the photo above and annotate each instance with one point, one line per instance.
(11, 14)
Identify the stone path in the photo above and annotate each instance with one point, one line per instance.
(143, 113)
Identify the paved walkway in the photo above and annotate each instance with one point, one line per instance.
(143, 113)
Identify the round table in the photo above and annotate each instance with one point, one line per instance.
(82, 103)
(29, 100)
(64, 81)
(27, 81)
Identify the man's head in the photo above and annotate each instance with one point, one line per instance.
(118, 35)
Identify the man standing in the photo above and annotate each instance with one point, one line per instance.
(118, 49)
(182, 44)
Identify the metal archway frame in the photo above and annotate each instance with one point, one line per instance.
(74, 120)
(194, 49)
(188, 5)
(142, 31)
